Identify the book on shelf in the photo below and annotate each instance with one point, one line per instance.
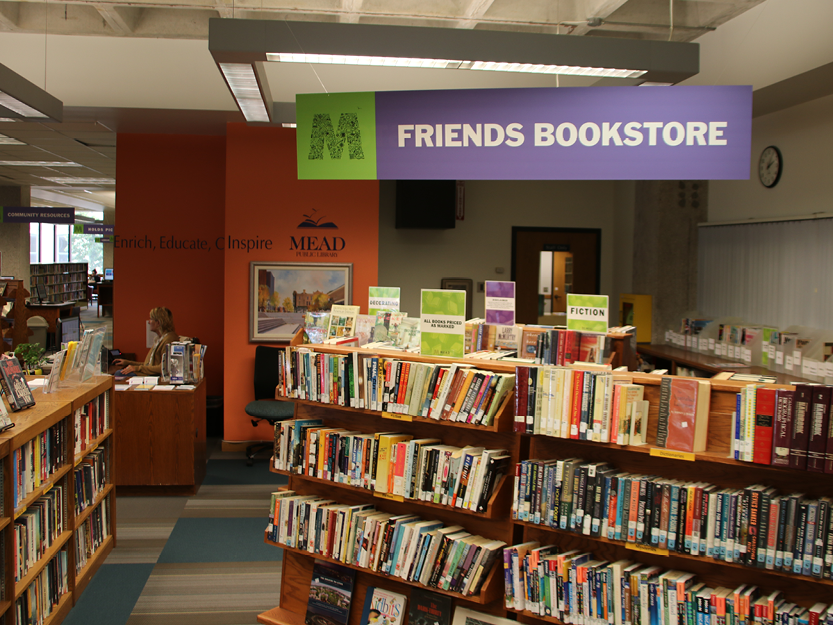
(403, 546)
(442, 316)
(14, 384)
(500, 302)
(464, 616)
(342, 321)
(429, 608)
(819, 420)
(683, 420)
(330, 594)
(5, 420)
(387, 325)
(381, 298)
(755, 526)
(383, 607)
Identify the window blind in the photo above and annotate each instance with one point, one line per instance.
(776, 273)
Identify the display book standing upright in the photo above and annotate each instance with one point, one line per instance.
(692, 563)
(492, 526)
(55, 464)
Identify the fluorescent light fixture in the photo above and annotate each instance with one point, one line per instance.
(38, 164)
(21, 108)
(656, 84)
(288, 125)
(8, 119)
(490, 66)
(72, 180)
(242, 81)
(6, 140)
(21, 98)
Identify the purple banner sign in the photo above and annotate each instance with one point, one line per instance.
(568, 133)
(31, 214)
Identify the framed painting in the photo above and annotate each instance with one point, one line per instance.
(281, 293)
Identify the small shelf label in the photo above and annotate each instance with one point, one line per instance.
(46, 489)
(675, 455)
(646, 549)
(396, 416)
(389, 497)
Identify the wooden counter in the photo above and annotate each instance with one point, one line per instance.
(161, 440)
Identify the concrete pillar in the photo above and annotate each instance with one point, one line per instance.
(14, 238)
(665, 248)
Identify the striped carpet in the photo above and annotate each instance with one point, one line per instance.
(191, 560)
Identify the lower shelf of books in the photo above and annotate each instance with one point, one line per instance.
(94, 562)
(492, 589)
(39, 567)
(59, 611)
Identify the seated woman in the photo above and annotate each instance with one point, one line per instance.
(162, 324)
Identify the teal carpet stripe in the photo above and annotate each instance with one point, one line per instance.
(110, 596)
(219, 540)
(227, 472)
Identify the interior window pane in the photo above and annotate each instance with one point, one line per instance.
(34, 243)
(47, 243)
(62, 243)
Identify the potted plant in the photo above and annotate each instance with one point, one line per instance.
(31, 355)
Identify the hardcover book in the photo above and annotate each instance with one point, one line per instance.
(330, 594)
(500, 302)
(14, 384)
(382, 607)
(342, 321)
(442, 314)
(316, 324)
(429, 608)
(684, 414)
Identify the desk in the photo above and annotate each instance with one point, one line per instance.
(160, 436)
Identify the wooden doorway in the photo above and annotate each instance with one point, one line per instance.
(583, 245)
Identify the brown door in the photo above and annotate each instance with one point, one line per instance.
(583, 244)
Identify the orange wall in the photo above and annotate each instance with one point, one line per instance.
(170, 186)
(265, 200)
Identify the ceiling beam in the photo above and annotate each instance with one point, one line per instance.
(351, 11)
(473, 11)
(122, 20)
(596, 8)
(225, 8)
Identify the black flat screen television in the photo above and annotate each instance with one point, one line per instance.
(426, 204)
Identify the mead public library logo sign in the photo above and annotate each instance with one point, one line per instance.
(322, 244)
(569, 133)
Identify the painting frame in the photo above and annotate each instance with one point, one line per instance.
(291, 280)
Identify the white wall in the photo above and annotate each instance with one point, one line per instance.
(804, 135)
(416, 259)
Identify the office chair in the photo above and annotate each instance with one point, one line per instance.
(265, 407)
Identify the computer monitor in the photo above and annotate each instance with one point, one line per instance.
(108, 274)
(69, 329)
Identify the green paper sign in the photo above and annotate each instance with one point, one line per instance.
(587, 312)
(382, 298)
(336, 136)
(443, 319)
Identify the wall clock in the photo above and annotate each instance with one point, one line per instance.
(770, 166)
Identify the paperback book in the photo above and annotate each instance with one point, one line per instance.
(330, 594)
(342, 321)
(14, 384)
(382, 607)
(429, 608)
(500, 302)
(382, 298)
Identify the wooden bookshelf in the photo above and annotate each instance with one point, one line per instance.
(50, 410)
(714, 466)
(494, 523)
(63, 281)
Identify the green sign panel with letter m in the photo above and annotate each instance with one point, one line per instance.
(336, 136)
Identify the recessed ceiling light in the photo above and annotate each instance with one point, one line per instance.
(388, 61)
(38, 164)
(71, 180)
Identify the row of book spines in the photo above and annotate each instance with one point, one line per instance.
(562, 347)
(44, 593)
(790, 428)
(421, 469)
(91, 535)
(36, 529)
(576, 404)
(577, 588)
(392, 385)
(90, 479)
(752, 526)
(41, 268)
(445, 557)
(36, 460)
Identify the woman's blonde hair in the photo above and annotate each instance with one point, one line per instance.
(164, 317)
